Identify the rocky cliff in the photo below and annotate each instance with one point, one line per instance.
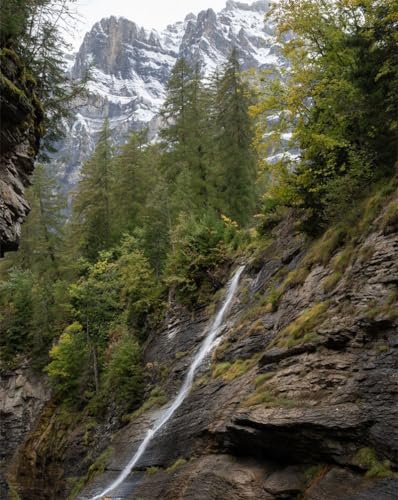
(20, 117)
(130, 67)
(299, 399)
(23, 395)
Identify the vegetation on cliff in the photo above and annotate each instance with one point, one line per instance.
(156, 223)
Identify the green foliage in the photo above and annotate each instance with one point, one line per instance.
(301, 330)
(367, 459)
(156, 398)
(140, 290)
(199, 247)
(91, 208)
(178, 463)
(231, 371)
(331, 281)
(236, 173)
(208, 159)
(68, 357)
(33, 31)
(16, 317)
(95, 469)
(124, 373)
(343, 66)
(390, 218)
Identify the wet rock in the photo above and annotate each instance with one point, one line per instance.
(20, 116)
(23, 395)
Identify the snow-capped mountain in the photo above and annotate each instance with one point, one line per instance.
(130, 67)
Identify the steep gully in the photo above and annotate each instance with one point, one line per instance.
(207, 346)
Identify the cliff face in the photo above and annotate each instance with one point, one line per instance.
(22, 398)
(20, 115)
(300, 398)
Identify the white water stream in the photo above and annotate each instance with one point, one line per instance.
(208, 344)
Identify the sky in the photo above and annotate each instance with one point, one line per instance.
(147, 13)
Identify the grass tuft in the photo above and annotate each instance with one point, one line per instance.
(367, 459)
(301, 330)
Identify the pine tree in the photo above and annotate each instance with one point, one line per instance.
(91, 224)
(186, 140)
(236, 171)
(133, 174)
(42, 237)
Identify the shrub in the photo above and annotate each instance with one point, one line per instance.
(200, 247)
(70, 361)
(367, 458)
(123, 374)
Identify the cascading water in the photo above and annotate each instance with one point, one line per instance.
(206, 347)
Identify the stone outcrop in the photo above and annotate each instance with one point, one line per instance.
(299, 400)
(20, 117)
(23, 396)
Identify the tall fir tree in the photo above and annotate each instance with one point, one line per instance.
(91, 217)
(42, 239)
(185, 138)
(133, 175)
(236, 169)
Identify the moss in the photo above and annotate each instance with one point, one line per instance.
(296, 277)
(366, 253)
(342, 260)
(381, 348)
(178, 463)
(373, 205)
(201, 381)
(151, 471)
(180, 354)
(331, 281)
(301, 330)
(386, 310)
(313, 472)
(219, 353)
(367, 458)
(265, 397)
(390, 217)
(156, 398)
(257, 326)
(12, 93)
(264, 377)
(96, 469)
(12, 492)
(231, 371)
(323, 250)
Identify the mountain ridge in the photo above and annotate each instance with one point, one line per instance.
(130, 67)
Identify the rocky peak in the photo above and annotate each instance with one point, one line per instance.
(115, 46)
(130, 67)
(259, 6)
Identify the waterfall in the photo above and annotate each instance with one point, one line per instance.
(206, 347)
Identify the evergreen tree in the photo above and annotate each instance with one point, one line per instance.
(185, 139)
(91, 224)
(236, 170)
(42, 238)
(134, 174)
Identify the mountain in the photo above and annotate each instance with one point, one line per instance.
(130, 67)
